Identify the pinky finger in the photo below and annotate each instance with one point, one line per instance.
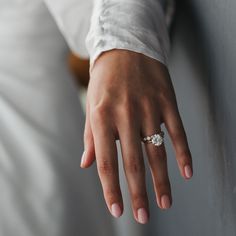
(178, 137)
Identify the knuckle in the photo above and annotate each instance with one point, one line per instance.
(128, 98)
(157, 157)
(179, 137)
(111, 194)
(105, 167)
(127, 108)
(138, 198)
(164, 96)
(134, 167)
(184, 156)
(150, 105)
(164, 185)
(146, 100)
(99, 113)
(147, 103)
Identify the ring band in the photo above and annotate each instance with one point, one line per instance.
(156, 139)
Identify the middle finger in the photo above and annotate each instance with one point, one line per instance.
(134, 166)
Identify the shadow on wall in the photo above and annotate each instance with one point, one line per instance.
(215, 34)
(202, 69)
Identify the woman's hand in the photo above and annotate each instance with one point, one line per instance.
(129, 97)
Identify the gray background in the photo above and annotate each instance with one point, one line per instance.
(203, 69)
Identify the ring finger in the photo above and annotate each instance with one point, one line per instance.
(157, 161)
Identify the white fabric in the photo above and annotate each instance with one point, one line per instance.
(43, 190)
(137, 25)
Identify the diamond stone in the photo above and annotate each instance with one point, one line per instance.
(157, 140)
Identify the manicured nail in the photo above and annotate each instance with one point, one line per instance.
(82, 159)
(165, 202)
(142, 216)
(116, 210)
(188, 171)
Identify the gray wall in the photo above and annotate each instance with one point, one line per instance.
(203, 69)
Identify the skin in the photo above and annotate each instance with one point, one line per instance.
(129, 96)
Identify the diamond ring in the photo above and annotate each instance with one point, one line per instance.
(156, 139)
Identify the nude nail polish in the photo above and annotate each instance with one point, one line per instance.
(116, 210)
(142, 216)
(165, 202)
(188, 171)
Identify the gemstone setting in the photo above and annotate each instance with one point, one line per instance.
(157, 140)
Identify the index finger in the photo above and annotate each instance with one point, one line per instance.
(107, 162)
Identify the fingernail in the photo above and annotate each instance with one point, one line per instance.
(142, 216)
(165, 202)
(116, 210)
(82, 159)
(188, 171)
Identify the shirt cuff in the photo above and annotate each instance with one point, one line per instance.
(135, 25)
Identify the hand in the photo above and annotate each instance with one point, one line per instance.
(129, 97)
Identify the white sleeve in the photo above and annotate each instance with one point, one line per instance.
(94, 26)
(136, 25)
